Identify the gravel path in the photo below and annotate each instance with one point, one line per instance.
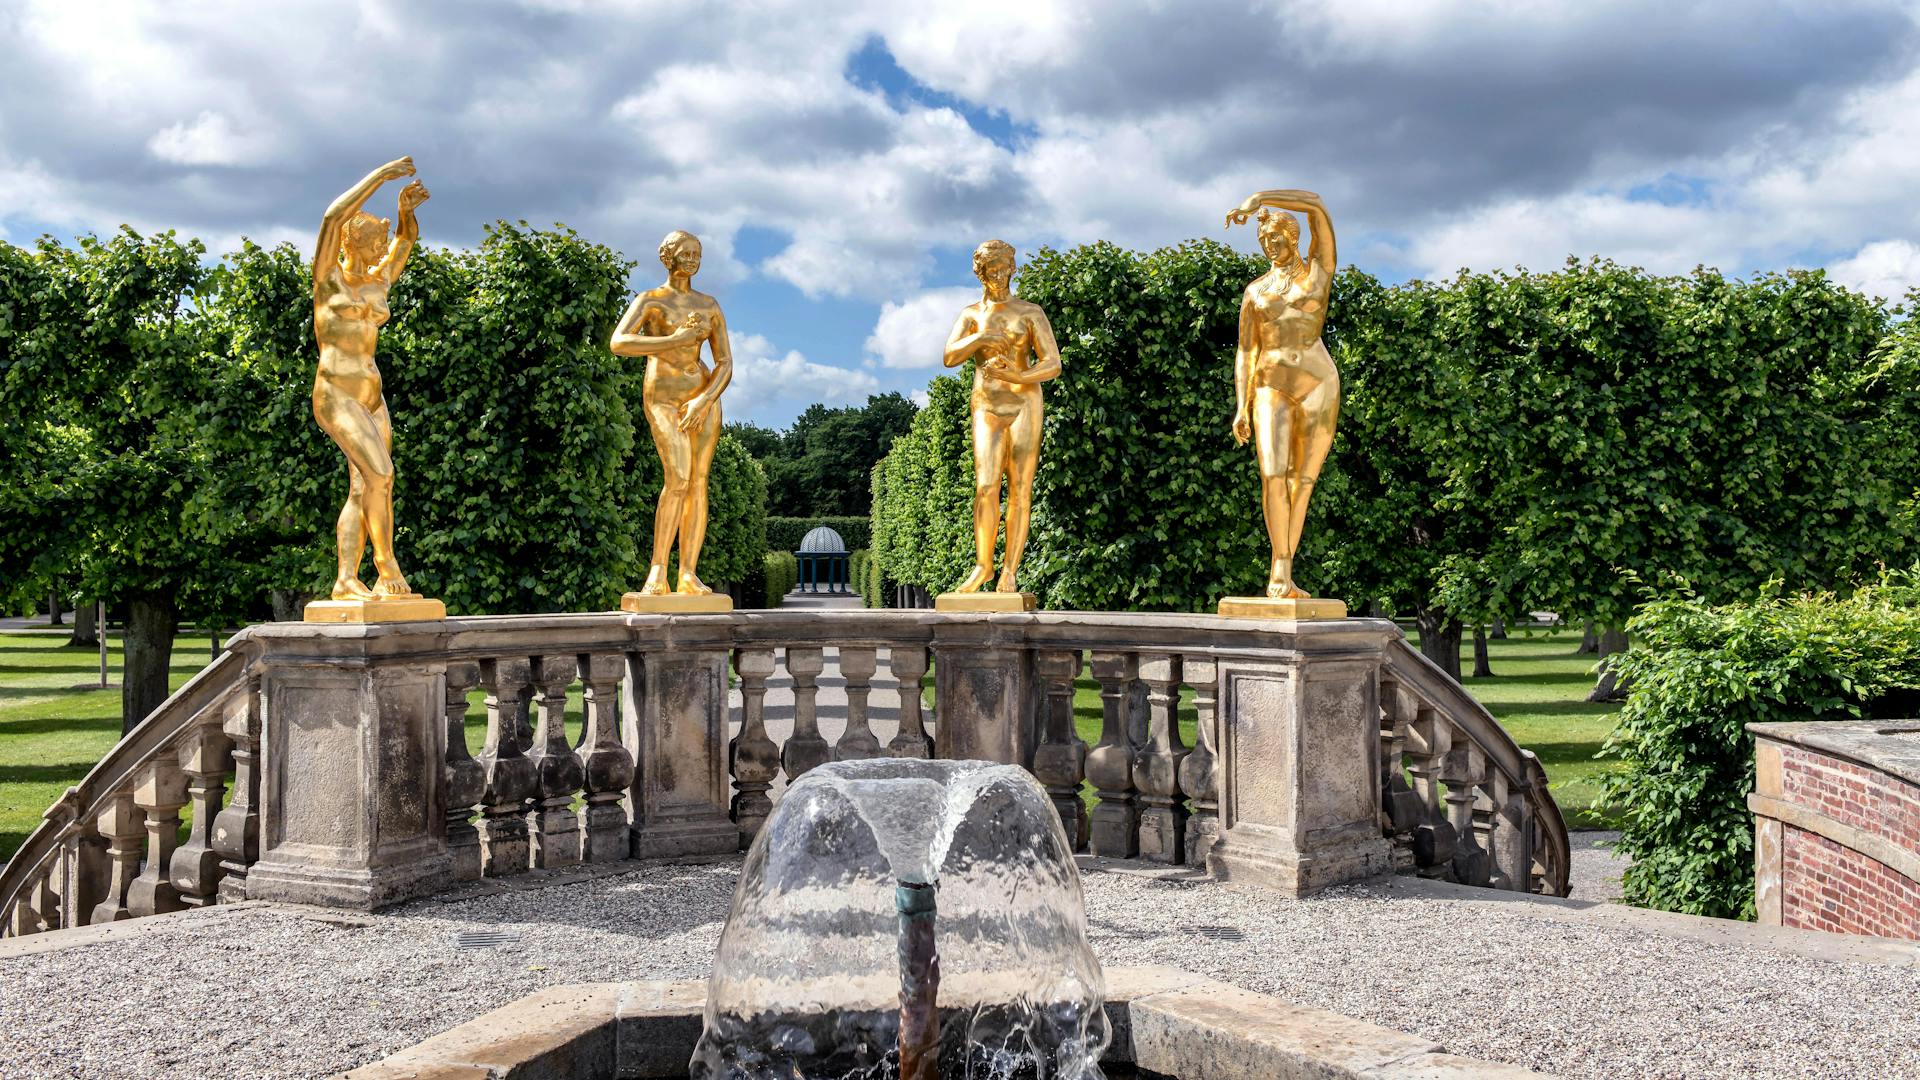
(265, 992)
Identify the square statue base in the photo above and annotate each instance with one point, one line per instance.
(1269, 607)
(676, 603)
(986, 601)
(409, 608)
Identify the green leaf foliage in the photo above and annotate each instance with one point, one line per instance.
(1699, 674)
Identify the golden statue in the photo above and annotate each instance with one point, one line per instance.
(682, 399)
(1286, 389)
(1012, 346)
(354, 265)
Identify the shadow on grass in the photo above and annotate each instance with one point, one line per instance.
(1569, 753)
(59, 772)
(61, 725)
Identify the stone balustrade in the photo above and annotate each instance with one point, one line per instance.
(329, 763)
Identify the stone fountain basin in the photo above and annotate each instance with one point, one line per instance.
(1167, 1023)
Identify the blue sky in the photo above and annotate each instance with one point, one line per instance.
(841, 161)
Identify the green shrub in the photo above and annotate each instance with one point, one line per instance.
(863, 575)
(785, 533)
(1699, 675)
(782, 574)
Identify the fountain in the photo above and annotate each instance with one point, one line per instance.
(912, 919)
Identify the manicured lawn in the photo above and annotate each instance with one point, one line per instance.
(51, 733)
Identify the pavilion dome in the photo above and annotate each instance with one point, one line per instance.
(822, 541)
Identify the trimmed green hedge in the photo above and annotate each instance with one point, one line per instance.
(1698, 675)
(863, 575)
(782, 574)
(785, 533)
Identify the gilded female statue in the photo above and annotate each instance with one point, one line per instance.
(668, 325)
(1012, 345)
(354, 265)
(1286, 389)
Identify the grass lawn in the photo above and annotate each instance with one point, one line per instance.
(52, 733)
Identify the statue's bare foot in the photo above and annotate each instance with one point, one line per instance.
(974, 580)
(1006, 584)
(1282, 589)
(692, 585)
(350, 588)
(656, 582)
(391, 585)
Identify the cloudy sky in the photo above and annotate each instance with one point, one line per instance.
(840, 160)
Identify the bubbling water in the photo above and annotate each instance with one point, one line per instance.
(807, 983)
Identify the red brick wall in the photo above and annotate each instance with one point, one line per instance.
(1825, 886)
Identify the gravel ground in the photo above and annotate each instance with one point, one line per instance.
(1593, 870)
(264, 992)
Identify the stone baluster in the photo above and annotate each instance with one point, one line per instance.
(205, 756)
(21, 918)
(857, 742)
(1059, 762)
(753, 756)
(1400, 808)
(552, 829)
(236, 829)
(1114, 825)
(1464, 772)
(609, 766)
(1200, 771)
(465, 779)
(72, 832)
(160, 791)
(1156, 768)
(805, 748)
(1512, 834)
(41, 899)
(909, 665)
(1429, 741)
(511, 779)
(122, 826)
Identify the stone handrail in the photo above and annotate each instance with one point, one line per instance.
(83, 864)
(352, 783)
(1463, 801)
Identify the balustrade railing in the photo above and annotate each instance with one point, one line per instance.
(1453, 796)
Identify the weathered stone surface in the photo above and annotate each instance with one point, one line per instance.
(1448, 1067)
(985, 699)
(678, 733)
(1216, 1030)
(560, 1033)
(657, 1025)
(352, 810)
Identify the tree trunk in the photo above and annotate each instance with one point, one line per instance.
(288, 605)
(148, 654)
(1499, 631)
(1610, 688)
(1376, 610)
(1589, 640)
(1439, 639)
(86, 635)
(53, 609)
(1481, 668)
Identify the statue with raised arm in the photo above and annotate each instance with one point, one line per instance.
(354, 265)
(1286, 389)
(1012, 347)
(667, 325)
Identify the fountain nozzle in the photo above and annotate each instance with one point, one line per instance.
(919, 981)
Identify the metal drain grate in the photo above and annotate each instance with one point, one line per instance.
(485, 939)
(1221, 933)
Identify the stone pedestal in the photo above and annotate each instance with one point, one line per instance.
(1269, 607)
(352, 813)
(676, 603)
(676, 717)
(1299, 780)
(986, 702)
(409, 608)
(986, 601)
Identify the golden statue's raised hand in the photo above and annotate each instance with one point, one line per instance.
(1286, 388)
(668, 325)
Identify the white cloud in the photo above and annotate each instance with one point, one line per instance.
(911, 333)
(1884, 268)
(211, 139)
(766, 382)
